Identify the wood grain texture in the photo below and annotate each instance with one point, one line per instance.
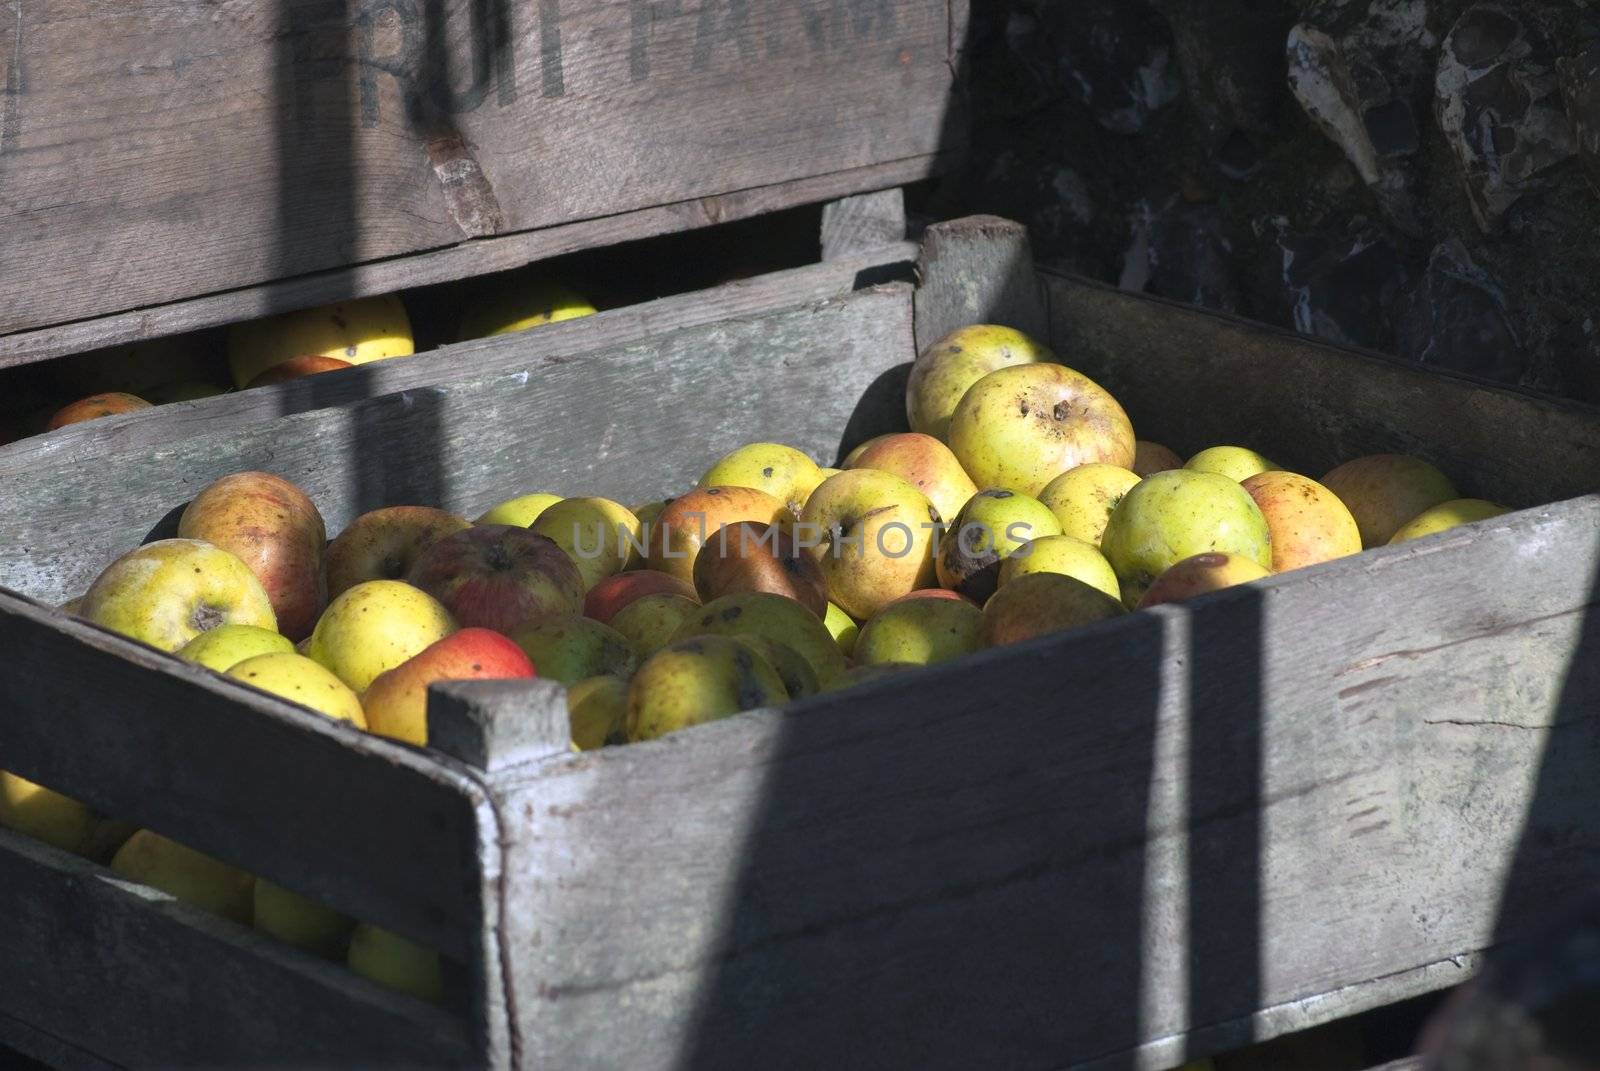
(139, 980)
(566, 340)
(656, 414)
(855, 225)
(1191, 379)
(212, 146)
(1301, 787)
(977, 269)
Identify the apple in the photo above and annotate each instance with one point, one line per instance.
(842, 627)
(944, 371)
(760, 613)
(1235, 462)
(1445, 516)
(799, 679)
(925, 463)
(382, 544)
(1150, 458)
(873, 534)
(649, 622)
(920, 632)
(506, 307)
(647, 512)
(1200, 574)
(300, 680)
(1173, 515)
(395, 962)
(683, 526)
(94, 407)
(274, 528)
(1307, 521)
(1082, 498)
(860, 674)
(615, 593)
(499, 577)
(45, 814)
(168, 592)
(357, 331)
(849, 459)
(521, 511)
(749, 556)
(1384, 491)
(299, 921)
(1019, 428)
(226, 646)
(396, 702)
(938, 593)
(597, 708)
(307, 364)
(1065, 555)
(1040, 603)
(568, 649)
(698, 680)
(374, 627)
(989, 528)
(599, 535)
(185, 874)
(781, 471)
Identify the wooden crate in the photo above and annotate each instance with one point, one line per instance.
(1162, 835)
(168, 166)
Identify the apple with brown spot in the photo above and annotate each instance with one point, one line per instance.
(382, 544)
(749, 556)
(499, 576)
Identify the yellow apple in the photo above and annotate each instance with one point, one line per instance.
(922, 632)
(299, 921)
(780, 619)
(44, 814)
(842, 627)
(699, 680)
(945, 370)
(1065, 555)
(168, 592)
(925, 463)
(227, 645)
(1384, 491)
(520, 512)
(374, 627)
(873, 534)
(1235, 462)
(597, 708)
(1200, 574)
(358, 331)
(300, 680)
(1082, 498)
(599, 535)
(395, 962)
(570, 648)
(1173, 515)
(508, 307)
(185, 874)
(781, 471)
(1307, 521)
(1445, 516)
(649, 621)
(992, 525)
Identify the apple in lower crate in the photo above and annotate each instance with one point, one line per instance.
(300, 680)
(1082, 498)
(600, 536)
(1065, 555)
(1235, 462)
(944, 371)
(988, 529)
(1021, 427)
(650, 622)
(274, 528)
(1173, 515)
(843, 627)
(307, 364)
(597, 707)
(570, 648)
(499, 577)
(299, 921)
(396, 962)
(750, 556)
(874, 538)
(168, 592)
(1384, 491)
(684, 524)
(228, 645)
(357, 331)
(925, 463)
(374, 627)
(1041, 603)
(616, 593)
(94, 407)
(920, 631)
(44, 814)
(698, 680)
(518, 305)
(1445, 516)
(187, 875)
(1307, 521)
(1150, 458)
(781, 471)
(1199, 575)
(781, 620)
(520, 511)
(396, 702)
(383, 544)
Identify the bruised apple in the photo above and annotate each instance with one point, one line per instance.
(684, 525)
(989, 528)
(499, 577)
(382, 544)
(650, 621)
(780, 619)
(750, 556)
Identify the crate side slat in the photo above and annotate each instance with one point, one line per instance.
(1031, 856)
(137, 979)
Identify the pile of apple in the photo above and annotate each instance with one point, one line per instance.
(1020, 504)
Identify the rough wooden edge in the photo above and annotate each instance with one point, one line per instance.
(492, 725)
(978, 269)
(475, 257)
(46, 1047)
(482, 357)
(855, 225)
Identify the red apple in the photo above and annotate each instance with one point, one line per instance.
(94, 407)
(607, 598)
(499, 576)
(297, 368)
(396, 702)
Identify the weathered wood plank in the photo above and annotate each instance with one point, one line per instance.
(855, 225)
(678, 402)
(467, 360)
(138, 979)
(1169, 822)
(209, 146)
(373, 828)
(50, 1051)
(1191, 379)
(977, 269)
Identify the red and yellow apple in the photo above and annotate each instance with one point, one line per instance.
(925, 463)
(613, 594)
(396, 702)
(382, 544)
(499, 577)
(1200, 574)
(1384, 491)
(1307, 521)
(375, 626)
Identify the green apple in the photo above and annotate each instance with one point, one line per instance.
(843, 627)
(1174, 515)
(699, 680)
(873, 534)
(945, 370)
(918, 631)
(300, 680)
(396, 963)
(782, 620)
(649, 621)
(227, 645)
(989, 528)
(1384, 491)
(299, 921)
(781, 471)
(1041, 603)
(1237, 463)
(597, 708)
(1445, 516)
(185, 874)
(168, 592)
(1065, 555)
(570, 648)
(1019, 428)
(1082, 498)
(374, 626)
(519, 512)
